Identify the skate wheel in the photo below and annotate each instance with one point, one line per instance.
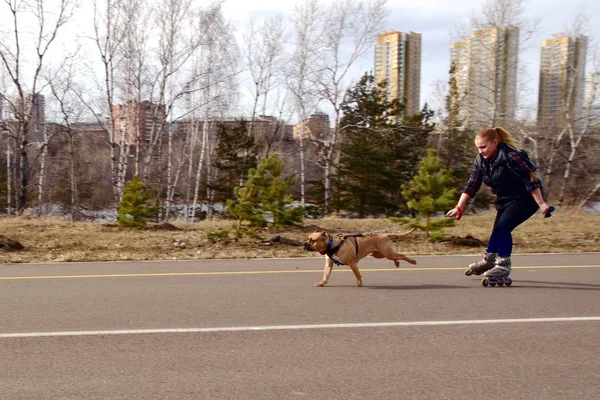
(500, 283)
(492, 284)
(468, 272)
(484, 282)
(508, 282)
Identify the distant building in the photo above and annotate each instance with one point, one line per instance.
(316, 124)
(591, 91)
(137, 121)
(398, 63)
(562, 72)
(14, 117)
(261, 124)
(591, 102)
(486, 75)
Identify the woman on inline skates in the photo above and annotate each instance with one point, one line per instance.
(510, 174)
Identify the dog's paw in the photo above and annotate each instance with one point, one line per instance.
(320, 284)
(359, 283)
(413, 262)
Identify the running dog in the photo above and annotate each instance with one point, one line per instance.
(349, 250)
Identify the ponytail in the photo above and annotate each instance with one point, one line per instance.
(499, 133)
(505, 137)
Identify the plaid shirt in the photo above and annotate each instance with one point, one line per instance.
(518, 164)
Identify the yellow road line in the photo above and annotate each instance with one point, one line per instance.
(312, 271)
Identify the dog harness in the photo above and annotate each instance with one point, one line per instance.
(332, 250)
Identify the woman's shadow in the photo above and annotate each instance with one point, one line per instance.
(554, 285)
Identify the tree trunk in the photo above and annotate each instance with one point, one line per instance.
(9, 176)
(42, 173)
(73, 179)
(24, 170)
(170, 187)
(302, 172)
(192, 140)
(589, 196)
(203, 145)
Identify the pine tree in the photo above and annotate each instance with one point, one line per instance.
(379, 152)
(245, 207)
(273, 192)
(265, 192)
(134, 207)
(429, 193)
(368, 118)
(235, 155)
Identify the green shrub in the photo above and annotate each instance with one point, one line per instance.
(135, 207)
(218, 235)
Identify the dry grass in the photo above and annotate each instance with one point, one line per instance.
(51, 240)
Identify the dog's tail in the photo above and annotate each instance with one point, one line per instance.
(398, 235)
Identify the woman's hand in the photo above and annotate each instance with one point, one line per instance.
(544, 207)
(455, 212)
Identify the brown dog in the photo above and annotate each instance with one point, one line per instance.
(350, 250)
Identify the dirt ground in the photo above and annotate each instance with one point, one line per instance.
(47, 240)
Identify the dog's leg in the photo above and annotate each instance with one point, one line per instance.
(389, 251)
(407, 259)
(399, 256)
(354, 267)
(326, 273)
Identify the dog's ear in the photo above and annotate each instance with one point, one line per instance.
(323, 234)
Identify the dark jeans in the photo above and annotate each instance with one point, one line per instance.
(507, 219)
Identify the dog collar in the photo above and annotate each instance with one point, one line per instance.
(329, 245)
(332, 250)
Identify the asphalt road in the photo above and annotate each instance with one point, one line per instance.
(258, 329)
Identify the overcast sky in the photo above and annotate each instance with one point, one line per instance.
(435, 20)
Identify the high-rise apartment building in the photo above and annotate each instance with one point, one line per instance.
(398, 62)
(592, 89)
(591, 102)
(486, 75)
(136, 119)
(562, 76)
(36, 111)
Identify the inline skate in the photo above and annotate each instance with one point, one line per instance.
(483, 265)
(499, 275)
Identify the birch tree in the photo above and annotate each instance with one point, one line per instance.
(349, 31)
(186, 34)
(8, 140)
(263, 50)
(579, 122)
(23, 56)
(217, 67)
(574, 119)
(63, 86)
(307, 25)
(110, 28)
